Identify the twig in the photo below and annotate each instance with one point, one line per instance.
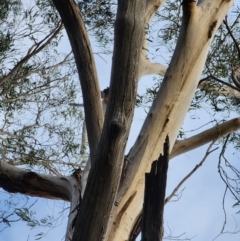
(208, 78)
(220, 169)
(231, 34)
(190, 173)
(224, 211)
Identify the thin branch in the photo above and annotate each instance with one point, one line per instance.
(94, 8)
(224, 211)
(220, 169)
(225, 219)
(232, 36)
(39, 71)
(235, 76)
(38, 48)
(209, 77)
(208, 152)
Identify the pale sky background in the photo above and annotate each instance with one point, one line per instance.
(198, 214)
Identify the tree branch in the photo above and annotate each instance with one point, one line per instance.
(227, 90)
(205, 137)
(93, 220)
(37, 48)
(236, 72)
(84, 59)
(170, 105)
(137, 227)
(13, 179)
(231, 35)
(154, 195)
(146, 67)
(208, 152)
(236, 77)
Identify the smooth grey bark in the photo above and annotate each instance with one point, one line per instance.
(102, 186)
(84, 59)
(212, 134)
(154, 197)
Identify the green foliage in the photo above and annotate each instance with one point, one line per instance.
(38, 79)
(99, 17)
(7, 7)
(17, 208)
(28, 216)
(37, 83)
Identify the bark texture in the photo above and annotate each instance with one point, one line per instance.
(154, 198)
(67, 188)
(169, 108)
(102, 186)
(16, 180)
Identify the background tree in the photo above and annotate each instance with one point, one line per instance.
(130, 61)
(37, 83)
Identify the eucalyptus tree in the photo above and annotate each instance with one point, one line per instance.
(111, 205)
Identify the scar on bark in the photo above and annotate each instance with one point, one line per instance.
(188, 9)
(211, 28)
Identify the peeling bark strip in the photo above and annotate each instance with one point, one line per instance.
(154, 197)
(211, 28)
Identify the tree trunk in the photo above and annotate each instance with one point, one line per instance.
(169, 109)
(104, 177)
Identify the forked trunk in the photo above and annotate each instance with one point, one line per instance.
(169, 109)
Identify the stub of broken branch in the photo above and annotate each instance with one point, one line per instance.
(154, 197)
